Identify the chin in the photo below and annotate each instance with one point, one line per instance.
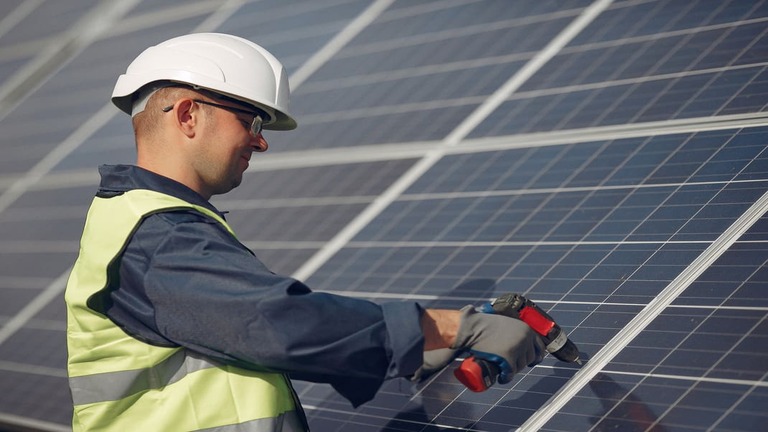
(226, 188)
(235, 184)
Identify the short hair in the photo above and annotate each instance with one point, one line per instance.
(148, 122)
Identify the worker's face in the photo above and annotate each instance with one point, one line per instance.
(225, 149)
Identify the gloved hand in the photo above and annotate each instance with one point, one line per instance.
(434, 360)
(508, 342)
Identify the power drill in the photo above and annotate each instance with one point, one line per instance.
(479, 374)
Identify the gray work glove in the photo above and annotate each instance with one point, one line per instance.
(508, 342)
(434, 361)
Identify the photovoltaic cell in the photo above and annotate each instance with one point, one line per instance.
(622, 246)
(293, 30)
(699, 365)
(43, 22)
(386, 92)
(337, 180)
(696, 63)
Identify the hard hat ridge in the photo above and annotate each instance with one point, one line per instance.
(225, 64)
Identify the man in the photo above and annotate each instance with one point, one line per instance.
(173, 324)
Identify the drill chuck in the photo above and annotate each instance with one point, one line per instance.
(517, 306)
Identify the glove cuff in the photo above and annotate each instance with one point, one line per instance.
(466, 334)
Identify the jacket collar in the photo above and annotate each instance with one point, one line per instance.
(116, 179)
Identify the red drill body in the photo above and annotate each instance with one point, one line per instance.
(478, 374)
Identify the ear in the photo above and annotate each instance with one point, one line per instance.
(186, 114)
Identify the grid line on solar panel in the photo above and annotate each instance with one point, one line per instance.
(552, 91)
(708, 342)
(26, 368)
(686, 97)
(13, 12)
(29, 396)
(612, 103)
(578, 46)
(706, 155)
(711, 394)
(650, 312)
(150, 15)
(405, 90)
(457, 134)
(566, 267)
(731, 92)
(462, 13)
(731, 274)
(338, 68)
(635, 403)
(88, 27)
(358, 113)
(645, 215)
(33, 346)
(739, 54)
(642, 160)
(651, 17)
(37, 20)
(19, 315)
(718, 341)
(37, 246)
(453, 274)
(296, 31)
(360, 419)
(474, 406)
(309, 159)
(499, 19)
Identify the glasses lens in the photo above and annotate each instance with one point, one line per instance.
(256, 125)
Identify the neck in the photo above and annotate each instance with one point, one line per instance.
(174, 169)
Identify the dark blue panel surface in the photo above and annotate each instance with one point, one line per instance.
(699, 363)
(697, 63)
(36, 396)
(45, 20)
(36, 347)
(391, 127)
(292, 30)
(665, 159)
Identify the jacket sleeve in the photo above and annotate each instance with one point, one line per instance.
(186, 281)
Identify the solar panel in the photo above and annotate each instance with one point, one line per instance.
(605, 159)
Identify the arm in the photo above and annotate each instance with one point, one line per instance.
(190, 284)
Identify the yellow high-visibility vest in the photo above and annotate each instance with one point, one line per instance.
(119, 383)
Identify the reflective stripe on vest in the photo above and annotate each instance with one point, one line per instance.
(121, 383)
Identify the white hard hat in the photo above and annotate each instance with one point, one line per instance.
(225, 64)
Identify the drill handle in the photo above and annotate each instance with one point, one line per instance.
(477, 374)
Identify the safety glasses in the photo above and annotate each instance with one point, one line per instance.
(254, 128)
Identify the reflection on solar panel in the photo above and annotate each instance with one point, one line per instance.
(606, 159)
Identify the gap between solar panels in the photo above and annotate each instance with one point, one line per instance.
(18, 423)
(70, 144)
(381, 202)
(107, 112)
(60, 51)
(417, 149)
(647, 315)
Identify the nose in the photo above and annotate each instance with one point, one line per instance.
(259, 144)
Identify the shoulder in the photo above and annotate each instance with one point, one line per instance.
(170, 218)
(166, 222)
(180, 228)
